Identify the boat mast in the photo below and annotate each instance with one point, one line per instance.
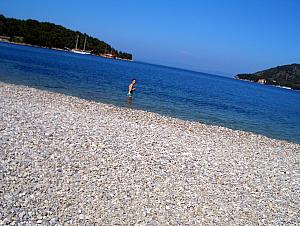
(84, 44)
(77, 42)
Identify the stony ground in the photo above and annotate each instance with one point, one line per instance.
(67, 161)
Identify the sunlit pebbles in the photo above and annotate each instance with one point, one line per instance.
(68, 161)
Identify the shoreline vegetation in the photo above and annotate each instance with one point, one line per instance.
(65, 160)
(286, 76)
(52, 36)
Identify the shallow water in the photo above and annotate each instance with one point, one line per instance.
(211, 99)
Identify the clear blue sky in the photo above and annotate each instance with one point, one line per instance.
(217, 36)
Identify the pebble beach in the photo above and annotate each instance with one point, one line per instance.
(69, 161)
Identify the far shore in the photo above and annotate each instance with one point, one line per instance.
(281, 87)
(58, 49)
(69, 161)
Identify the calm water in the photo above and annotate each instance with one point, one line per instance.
(270, 111)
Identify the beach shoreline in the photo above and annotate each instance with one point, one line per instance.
(65, 160)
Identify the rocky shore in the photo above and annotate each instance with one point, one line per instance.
(68, 161)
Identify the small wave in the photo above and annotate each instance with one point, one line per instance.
(54, 87)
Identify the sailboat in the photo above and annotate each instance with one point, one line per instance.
(76, 50)
(108, 55)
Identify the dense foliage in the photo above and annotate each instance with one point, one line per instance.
(53, 36)
(287, 75)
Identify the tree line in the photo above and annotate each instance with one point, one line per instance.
(51, 35)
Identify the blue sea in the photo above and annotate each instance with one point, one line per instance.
(206, 98)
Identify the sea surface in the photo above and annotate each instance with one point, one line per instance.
(210, 99)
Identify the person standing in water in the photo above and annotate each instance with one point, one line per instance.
(131, 88)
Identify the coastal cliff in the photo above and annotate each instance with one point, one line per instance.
(286, 75)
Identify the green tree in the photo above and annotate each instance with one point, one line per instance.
(53, 36)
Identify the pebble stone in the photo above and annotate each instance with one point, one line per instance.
(69, 161)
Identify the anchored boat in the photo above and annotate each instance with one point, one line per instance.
(79, 51)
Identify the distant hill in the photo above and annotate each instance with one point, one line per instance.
(286, 75)
(53, 36)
